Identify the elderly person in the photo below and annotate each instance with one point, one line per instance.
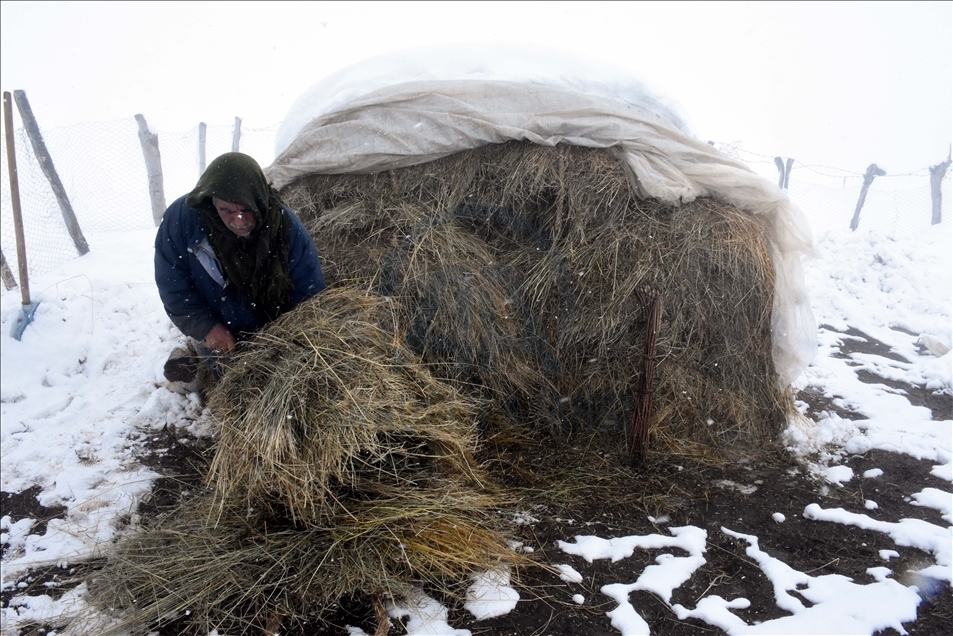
(230, 257)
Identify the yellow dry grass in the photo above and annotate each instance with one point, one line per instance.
(512, 270)
(342, 469)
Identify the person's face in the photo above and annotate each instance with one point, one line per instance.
(237, 218)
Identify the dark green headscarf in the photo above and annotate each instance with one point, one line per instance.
(256, 266)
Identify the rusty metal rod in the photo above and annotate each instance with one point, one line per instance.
(638, 433)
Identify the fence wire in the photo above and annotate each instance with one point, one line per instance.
(895, 213)
(103, 171)
(47, 241)
(828, 196)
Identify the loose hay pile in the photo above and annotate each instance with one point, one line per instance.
(342, 470)
(513, 268)
(326, 398)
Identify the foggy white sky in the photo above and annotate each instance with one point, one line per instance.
(842, 85)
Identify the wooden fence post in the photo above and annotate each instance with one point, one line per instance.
(22, 269)
(937, 173)
(872, 172)
(46, 164)
(237, 134)
(785, 171)
(9, 282)
(201, 149)
(150, 151)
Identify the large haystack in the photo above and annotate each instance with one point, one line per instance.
(512, 270)
(342, 470)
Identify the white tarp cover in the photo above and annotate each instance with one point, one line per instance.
(418, 121)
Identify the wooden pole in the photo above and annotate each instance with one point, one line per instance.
(784, 171)
(8, 281)
(872, 172)
(150, 151)
(15, 199)
(46, 164)
(201, 149)
(237, 135)
(780, 164)
(937, 173)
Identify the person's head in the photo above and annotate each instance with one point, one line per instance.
(236, 217)
(246, 224)
(234, 189)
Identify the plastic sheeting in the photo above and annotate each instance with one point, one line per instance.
(419, 121)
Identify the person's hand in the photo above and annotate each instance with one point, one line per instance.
(220, 339)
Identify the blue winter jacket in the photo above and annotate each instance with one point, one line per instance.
(191, 284)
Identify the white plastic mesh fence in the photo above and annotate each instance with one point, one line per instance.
(895, 213)
(103, 171)
(47, 241)
(180, 153)
(896, 205)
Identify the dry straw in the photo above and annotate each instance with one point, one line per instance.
(343, 469)
(251, 570)
(324, 399)
(512, 271)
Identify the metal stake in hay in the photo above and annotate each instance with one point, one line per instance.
(342, 469)
(532, 304)
(638, 432)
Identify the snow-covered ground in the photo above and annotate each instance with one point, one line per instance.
(84, 387)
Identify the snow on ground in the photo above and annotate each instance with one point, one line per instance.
(84, 387)
(661, 579)
(74, 390)
(79, 392)
(897, 291)
(839, 606)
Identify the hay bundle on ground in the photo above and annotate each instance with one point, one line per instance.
(513, 269)
(250, 570)
(342, 469)
(325, 399)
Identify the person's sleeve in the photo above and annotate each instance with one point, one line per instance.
(303, 262)
(177, 287)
